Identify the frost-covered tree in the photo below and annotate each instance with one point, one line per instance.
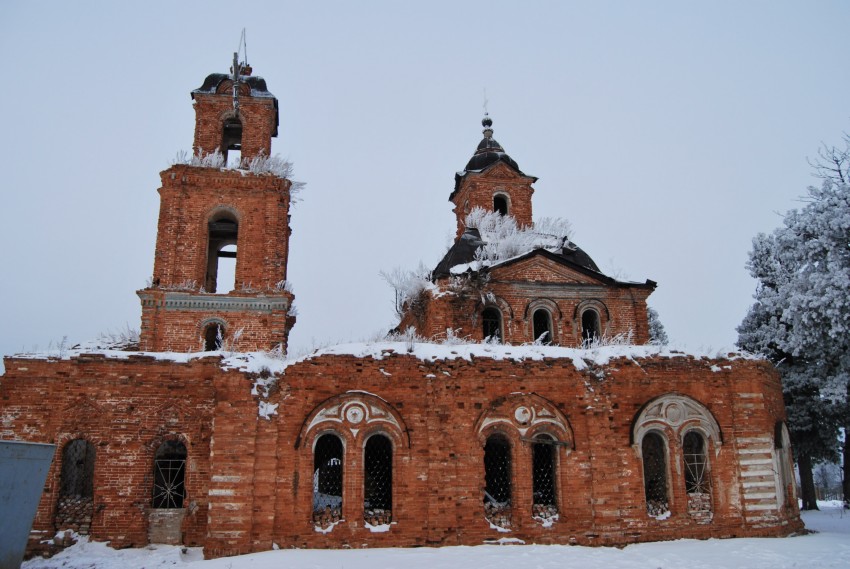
(801, 321)
(657, 333)
(504, 239)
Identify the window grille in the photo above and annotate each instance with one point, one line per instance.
(378, 481)
(169, 475)
(697, 484)
(327, 480)
(492, 323)
(655, 474)
(497, 481)
(545, 506)
(75, 505)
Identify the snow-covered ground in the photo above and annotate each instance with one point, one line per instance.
(829, 546)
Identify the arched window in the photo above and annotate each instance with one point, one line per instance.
(491, 320)
(589, 327)
(76, 487)
(544, 474)
(697, 485)
(542, 324)
(655, 474)
(169, 474)
(213, 337)
(327, 480)
(231, 142)
(497, 480)
(223, 237)
(500, 204)
(378, 481)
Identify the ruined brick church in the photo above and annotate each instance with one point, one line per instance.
(537, 435)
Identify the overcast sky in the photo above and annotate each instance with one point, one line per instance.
(668, 133)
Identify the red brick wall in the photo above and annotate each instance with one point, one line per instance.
(622, 309)
(250, 479)
(175, 330)
(190, 196)
(258, 117)
(125, 408)
(478, 189)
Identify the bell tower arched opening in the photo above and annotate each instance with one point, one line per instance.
(231, 142)
(223, 236)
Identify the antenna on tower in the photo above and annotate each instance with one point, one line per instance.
(235, 80)
(238, 67)
(243, 47)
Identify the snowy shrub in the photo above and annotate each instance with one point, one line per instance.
(186, 285)
(504, 239)
(621, 339)
(276, 166)
(409, 285)
(214, 159)
(409, 337)
(260, 164)
(126, 339)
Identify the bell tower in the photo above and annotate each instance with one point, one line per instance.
(492, 181)
(222, 245)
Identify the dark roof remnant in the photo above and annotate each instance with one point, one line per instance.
(256, 84)
(488, 153)
(213, 80)
(463, 251)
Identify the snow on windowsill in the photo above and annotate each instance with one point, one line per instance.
(380, 528)
(329, 529)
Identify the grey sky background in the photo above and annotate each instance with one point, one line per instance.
(668, 133)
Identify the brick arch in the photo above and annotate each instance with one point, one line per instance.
(496, 302)
(226, 88)
(596, 304)
(155, 441)
(221, 207)
(205, 322)
(354, 416)
(65, 437)
(546, 303)
(521, 416)
(674, 415)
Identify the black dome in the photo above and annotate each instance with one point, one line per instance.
(489, 151)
